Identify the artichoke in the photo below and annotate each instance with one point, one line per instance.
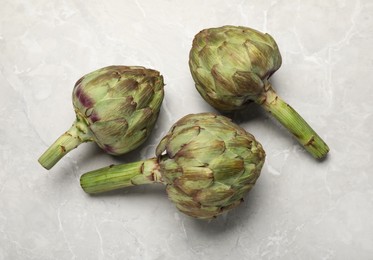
(115, 106)
(206, 162)
(231, 66)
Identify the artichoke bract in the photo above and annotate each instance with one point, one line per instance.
(207, 163)
(115, 106)
(231, 66)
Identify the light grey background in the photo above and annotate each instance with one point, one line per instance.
(299, 209)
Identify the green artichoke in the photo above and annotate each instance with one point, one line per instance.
(231, 66)
(115, 106)
(206, 162)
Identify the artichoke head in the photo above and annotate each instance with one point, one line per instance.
(115, 106)
(231, 67)
(120, 105)
(208, 164)
(231, 64)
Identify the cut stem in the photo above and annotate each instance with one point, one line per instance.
(71, 139)
(121, 176)
(290, 119)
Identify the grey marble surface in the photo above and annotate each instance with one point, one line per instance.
(299, 209)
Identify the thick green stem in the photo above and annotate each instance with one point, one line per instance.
(121, 176)
(289, 118)
(77, 134)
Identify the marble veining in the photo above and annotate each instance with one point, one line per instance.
(299, 208)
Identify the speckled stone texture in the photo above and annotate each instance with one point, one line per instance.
(299, 209)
